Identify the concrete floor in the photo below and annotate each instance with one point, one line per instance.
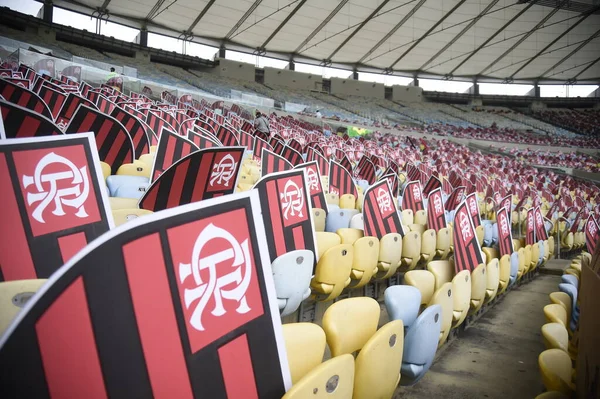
(497, 356)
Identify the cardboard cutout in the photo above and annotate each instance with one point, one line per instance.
(540, 229)
(436, 217)
(467, 250)
(314, 155)
(455, 198)
(53, 203)
(16, 94)
(473, 205)
(591, 234)
(69, 107)
(19, 122)
(340, 180)
(392, 180)
(53, 99)
(171, 148)
(293, 156)
(530, 232)
(140, 137)
(505, 242)
(315, 187)
(432, 184)
(191, 312)
(273, 163)
(366, 170)
(380, 214)
(412, 197)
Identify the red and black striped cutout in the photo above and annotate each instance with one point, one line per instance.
(204, 174)
(202, 140)
(53, 99)
(227, 137)
(41, 234)
(530, 232)
(345, 162)
(576, 222)
(380, 214)
(293, 156)
(112, 140)
(69, 107)
(19, 95)
(273, 163)
(247, 140)
(392, 180)
(144, 340)
(21, 122)
(171, 148)
(431, 185)
(473, 206)
(186, 125)
(313, 154)
(138, 132)
(591, 234)
(504, 234)
(467, 251)
(287, 212)
(455, 198)
(259, 144)
(412, 197)
(436, 216)
(277, 145)
(340, 180)
(540, 228)
(105, 105)
(365, 170)
(315, 187)
(295, 144)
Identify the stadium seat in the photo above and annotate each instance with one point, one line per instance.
(479, 232)
(555, 336)
(493, 280)
(350, 326)
(347, 201)
(555, 367)
(555, 313)
(333, 379)
(564, 299)
(326, 240)
(364, 263)
(305, 347)
(443, 243)
(349, 235)
(407, 217)
(357, 222)
(332, 273)
(122, 216)
(148, 159)
(403, 302)
(292, 273)
(132, 183)
(390, 255)
(428, 246)
(421, 217)
(570, 279)
(318, 219)
(478, 287)
(122, 203)
(105, 169)
(13, 297)
(333, 199)
(443, 272)
(339, 219)
(411, 250)
(552, 395)
(137, 168)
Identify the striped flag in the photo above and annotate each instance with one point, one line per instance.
(432, 184)
(19, 95)
(69, 107)
(53, 99)
(203, 140)
(345, 162)
(161, 329)
(436, 217)
(591, 234)
(140, 137)
(380, 214)
(366, 170)
(315, 187)
(340, 180)
(273, 163)
(259, 144)
(473, 206)
(467, 250)
(42, 227)
(112, 140)
(530, 235)
(105, 105)
(293, 156)
(540, 228)
(576, 222)
(392, 180)
(412, 197)
(287, 212)
(19, 122)
(314, 155)
(171, 148)
(447, 187)
(455, 198)
(203, 174)
(504, 234)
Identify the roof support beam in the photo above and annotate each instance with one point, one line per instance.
(460, 34)
(591, 64)
(243, 19)
(391, 32)
(582, 45)
(154, 9)
(525, 37)
(199, 17)
(484, 44)
(362, 25)
(283, 23)
(438, 23)
(321, 26)
(543, 51)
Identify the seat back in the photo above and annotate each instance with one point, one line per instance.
(348, 201)
(490, 253)
(349, 235)
(332, 273)
(556, 314)
(443, 272)
(428, 245)
(13, 297)
(364, 263)
(292, 273)
(305, 347)
(137, 168)
(556, 370)
(332, 198)
(478, 287)
(333, 379)
(443, 297)
(421, 217)
(461, 294)
(134, 183)
(390, 255)
(422, 280)
(326, 240)
(105, 169)
(357, 222)
(562, 298)
(494, 233)
(479, 232)
(377, 369)
(570, 279)
(572, 292)
(350, 323)
(122, 216)
(148, 159)
(487, 234)
(318, 216)
(411, 250)
(407, 217)
(443, 243)
(402, 302)
(555, 336)
(535, 255)
(493, 279)
(339, 219)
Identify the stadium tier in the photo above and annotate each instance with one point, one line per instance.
(169, 232)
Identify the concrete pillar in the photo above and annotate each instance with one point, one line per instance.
(536, 89)
(222, 52)
(144, 37)
(476, 88)
(292, 65)
(355, 75)
(415, 82)
(47, 11)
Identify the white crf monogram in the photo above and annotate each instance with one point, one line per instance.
(465, 226)
(592, 227)
(223, 171)
(383, 200)
(240, 273)
(473, 206)
(437, 204)
(530, 221)
(46, 185)
(416, 193)
(292, 200)
(504, 225)
(313, 180)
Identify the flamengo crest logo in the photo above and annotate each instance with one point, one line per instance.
(437, 204)
(465, 226)
(313, 179)
(292, 200)
(47, 191)
(231, 286)
(223, 171)
(503, 225)
(383, 200)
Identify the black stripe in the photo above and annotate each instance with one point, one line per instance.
(190, 179)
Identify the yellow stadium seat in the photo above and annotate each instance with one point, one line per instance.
(443, 243)
(428, 245)
(105, 169)
(493, 280)
(122, 203)
(522, 268)
(562, 298)
(408, 217)
(504, 277)
(424, 281)
(555, 336)
(417, 228)
(443, 297)
(411, 250)
(556, 313)
(148, 159)
(122, 216)
(332, 273)
(421, 217)
(333, 199)
(137, 168)
(480, 232)
(13, 296)
(333, 379)
(364, 263)
(319, 219)
(556, 370)
(528, 257)
(552, 395)
(349, 235)
(347, 201)
(152, 149)
(478, 287)
(305, 347)
(535, 255)
(490, 253)
(390, 255)
(326, 240)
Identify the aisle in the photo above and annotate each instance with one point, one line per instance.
(497, 356)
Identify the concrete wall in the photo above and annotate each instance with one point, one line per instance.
(235, 69)
(411, 94)
(292, 79)
(357, 88)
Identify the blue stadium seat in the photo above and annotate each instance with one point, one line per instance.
(292, 272)
(339, 219)
(135, 182)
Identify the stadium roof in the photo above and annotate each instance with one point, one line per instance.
(505, 40)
